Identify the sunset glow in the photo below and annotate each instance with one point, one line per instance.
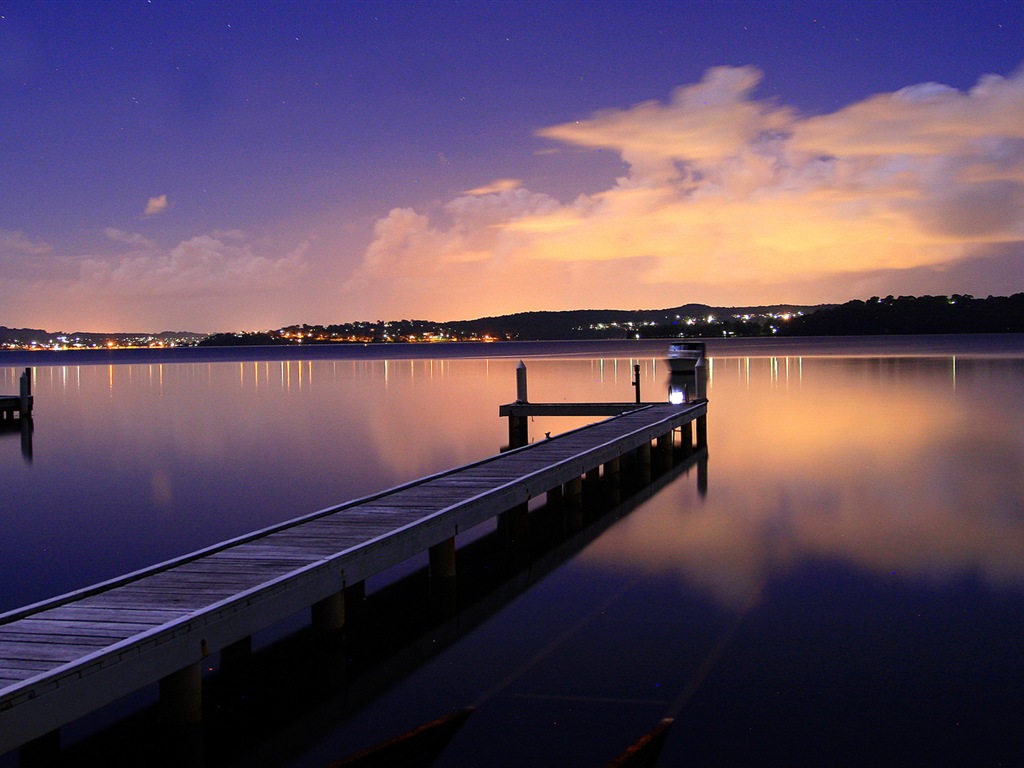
(277, 178)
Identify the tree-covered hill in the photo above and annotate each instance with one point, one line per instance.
(911, 315)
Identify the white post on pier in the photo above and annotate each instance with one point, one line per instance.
(521, 382)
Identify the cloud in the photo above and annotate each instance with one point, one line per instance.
(15, 242)
(498, 185)
(129, 238)
(205, 265)
(731, 199)
(217, 281)
(156, 205)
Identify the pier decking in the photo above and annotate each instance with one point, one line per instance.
(66, 657)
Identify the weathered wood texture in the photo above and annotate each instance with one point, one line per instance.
(65, 657)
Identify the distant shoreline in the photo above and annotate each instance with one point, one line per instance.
(967, 344)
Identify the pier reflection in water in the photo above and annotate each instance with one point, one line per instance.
(849, 588)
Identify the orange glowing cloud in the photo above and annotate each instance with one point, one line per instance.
(730, 199)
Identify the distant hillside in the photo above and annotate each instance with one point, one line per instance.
(22, 335)
(910, 315)
(616, 323)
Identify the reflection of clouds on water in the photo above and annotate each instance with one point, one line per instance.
(900, 478)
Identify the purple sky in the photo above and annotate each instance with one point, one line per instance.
(244, 165)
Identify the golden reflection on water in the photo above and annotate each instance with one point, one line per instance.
(910, 468)
(902, 469)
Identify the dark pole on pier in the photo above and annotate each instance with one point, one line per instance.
(26, 394)
(636, 380)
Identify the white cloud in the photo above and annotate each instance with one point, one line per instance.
(201, 266)
(734, 200)
(133, 239)
(498, 185)
(156, 205)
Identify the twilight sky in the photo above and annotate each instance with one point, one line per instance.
(246, 165)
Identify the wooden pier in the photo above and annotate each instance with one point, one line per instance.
(63, 658)
(19, 405)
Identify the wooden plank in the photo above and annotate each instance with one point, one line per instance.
(62, 639)
(28, 666)
(106, 614)
(41, 651)
(79, 628)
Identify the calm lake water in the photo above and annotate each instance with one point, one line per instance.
(848, 591)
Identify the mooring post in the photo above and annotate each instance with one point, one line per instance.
(700, 379)
(26, 394)
(636, 380)
(521, 383)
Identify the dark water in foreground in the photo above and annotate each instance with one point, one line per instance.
(849, 591)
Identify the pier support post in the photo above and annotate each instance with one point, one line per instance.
(665, 449)
(181, 697)
(443, 595)
(574, 491)
(442, 560)
(574, 504)
(328, 615)
(613, 480)
(686, 438)
(643, 455)
(556, 495)
(514, 524)
(702, 431)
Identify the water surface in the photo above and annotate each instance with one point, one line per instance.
(848, 591)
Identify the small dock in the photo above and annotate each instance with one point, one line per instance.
(19, 406)
(66, 657)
